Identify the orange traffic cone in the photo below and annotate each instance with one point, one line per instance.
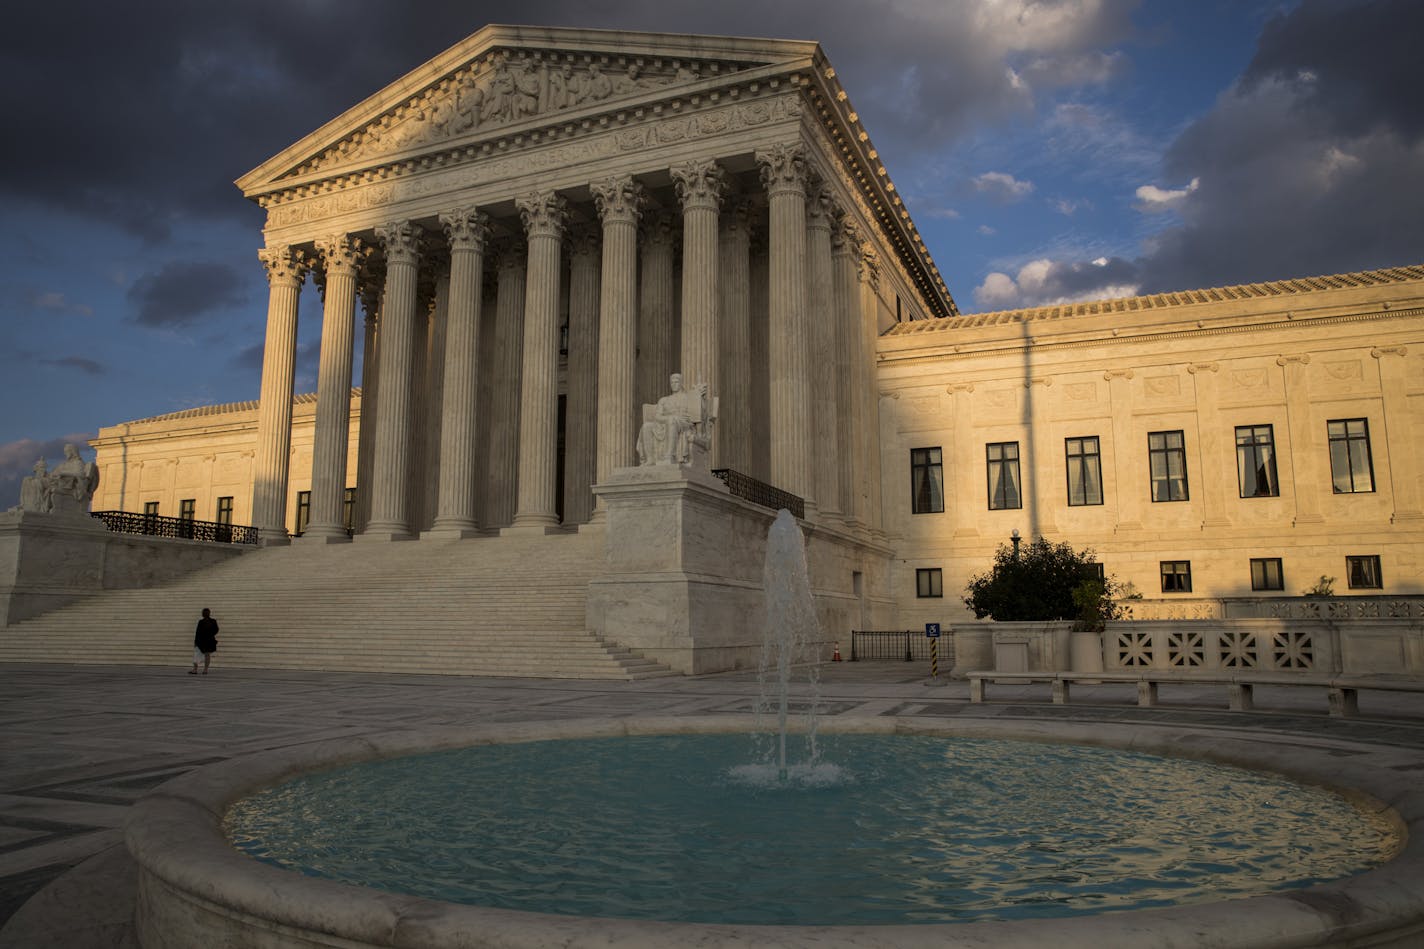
(836, 656)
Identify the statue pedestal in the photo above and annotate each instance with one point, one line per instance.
(684, 562)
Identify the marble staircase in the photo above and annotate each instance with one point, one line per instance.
(489, 606)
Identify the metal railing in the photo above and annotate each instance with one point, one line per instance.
(902, 644)
(759, 492)
(152, 525)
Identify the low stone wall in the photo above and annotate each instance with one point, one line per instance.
(48, 561)
(1383, 646)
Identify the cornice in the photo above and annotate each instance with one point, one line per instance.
(912, 357)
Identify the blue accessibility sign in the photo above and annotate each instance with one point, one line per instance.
(932, 630)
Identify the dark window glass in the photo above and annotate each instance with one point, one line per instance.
(303, 512)
(150, 508)
(926, 480)
(1176, 576)
(1364, 572)
(929, 581)
(1167, 455)
(348, 510)
(1352, 470)
(1256, 461)
(225, 510)
(187, 508)
(1085, 471)
(1003, 464)
(1266, 574)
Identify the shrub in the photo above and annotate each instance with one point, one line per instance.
(1045, 581)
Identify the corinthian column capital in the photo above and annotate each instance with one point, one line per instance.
(619, 200)
(699, 184)
(284, 265)
(821, 209)
(845, 235)
(543, 213)
(783, 168)
(868, 266)
(341, 253)
(402, 240)
(467, 228)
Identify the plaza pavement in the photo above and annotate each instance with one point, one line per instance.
(79, 744)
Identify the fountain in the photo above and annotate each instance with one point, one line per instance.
(618, 819)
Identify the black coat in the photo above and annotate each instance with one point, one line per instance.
(205, 637)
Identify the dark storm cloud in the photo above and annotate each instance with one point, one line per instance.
(141, 115)
(182, 293)
(86, 366)
(1311, 163)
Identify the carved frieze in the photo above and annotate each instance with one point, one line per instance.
(505, 87)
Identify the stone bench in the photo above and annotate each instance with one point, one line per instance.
(1343, 690)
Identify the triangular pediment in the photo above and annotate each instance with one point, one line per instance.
(512, 79)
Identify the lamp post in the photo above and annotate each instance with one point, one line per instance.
(1015, 538)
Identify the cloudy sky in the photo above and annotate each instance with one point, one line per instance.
(1051, 150)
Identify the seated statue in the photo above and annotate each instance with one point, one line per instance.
(680, 423)
(72, 483)
(34, 490)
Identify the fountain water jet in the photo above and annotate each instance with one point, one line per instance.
(791, 639)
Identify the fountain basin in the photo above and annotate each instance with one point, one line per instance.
(195, 889)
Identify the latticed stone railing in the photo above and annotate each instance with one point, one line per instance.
(1217, 648)
(1336, 608)
(183, 528)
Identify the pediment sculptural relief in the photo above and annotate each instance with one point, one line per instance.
(505, 88)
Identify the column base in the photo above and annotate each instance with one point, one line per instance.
(328, 535)
(451, 532)
(273, 540)
(531, 526)
(377, 534)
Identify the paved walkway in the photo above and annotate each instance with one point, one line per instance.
(79, 744)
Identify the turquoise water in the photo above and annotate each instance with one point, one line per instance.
(884, 830)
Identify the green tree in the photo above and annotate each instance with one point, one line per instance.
(1043, 581)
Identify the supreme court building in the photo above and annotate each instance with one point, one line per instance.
(537, 228)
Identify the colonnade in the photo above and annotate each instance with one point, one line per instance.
(772, 303)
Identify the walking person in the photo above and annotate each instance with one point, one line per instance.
(205, 643)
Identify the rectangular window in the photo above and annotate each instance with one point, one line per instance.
(187, 508)
(224, 510)
(1085, 471)
(926, 480)
(1364, 572)
(929, 581)
(348, 510)
(1176, 576)
(1167, 454)
(1266, 574)
(303, 513)
(150, 508)
(1003, 463)
(1256, 461)
(1351, 469)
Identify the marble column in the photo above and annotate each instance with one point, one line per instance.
(850, 417)
(341, 256)
(466, 229)
(1404, 467)
(868, 319)
(389, 512)
(734, 432)
(657, 309)
(373, 279)
(504, 405)
(581, 403)
(286, 269)
(759, 278)
(544, 214)
(821, 339)
(699, 186)
(619, 201)
(489, 340)
(419, 463)
(783, 172)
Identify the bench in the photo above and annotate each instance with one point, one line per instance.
(1343, 690)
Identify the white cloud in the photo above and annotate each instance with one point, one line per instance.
(1154, 200)
(1002, 187)
(986, 230)
(1045, 282)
